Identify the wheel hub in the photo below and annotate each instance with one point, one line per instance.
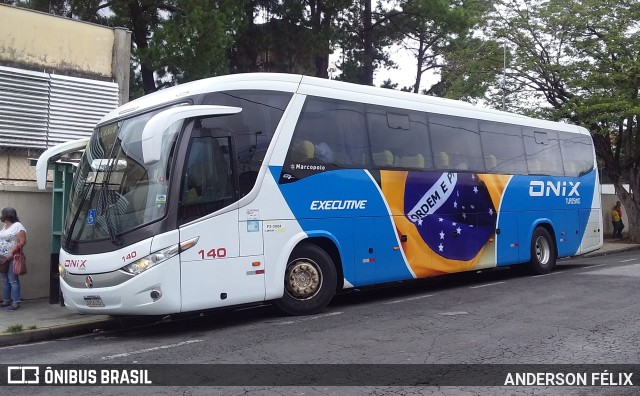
(304, 279)
(543, 250)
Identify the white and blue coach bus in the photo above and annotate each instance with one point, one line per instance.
(286, 188)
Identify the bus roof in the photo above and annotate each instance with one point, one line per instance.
(331, 89)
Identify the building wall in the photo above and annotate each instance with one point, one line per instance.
(14, 164)
(34, 38)
(34, 210)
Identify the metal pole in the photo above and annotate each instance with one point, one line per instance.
(504, 73)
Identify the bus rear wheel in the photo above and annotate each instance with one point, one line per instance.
(309, 281)
(543, 252)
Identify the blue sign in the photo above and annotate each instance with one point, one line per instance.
(91, 216)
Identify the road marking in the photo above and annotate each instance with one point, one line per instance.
(488, 284)
(26, 345)
(150, 349)
(550, 273)
(408, 299)
(626, 261)
(309, 318)
(454, 313)
(597, 265)
(631, 270)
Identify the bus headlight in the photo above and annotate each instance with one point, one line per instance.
(151, 260)
(158, 257)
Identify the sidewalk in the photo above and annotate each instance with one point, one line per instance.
(37, 320)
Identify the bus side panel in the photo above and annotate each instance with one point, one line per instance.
(589, 219)
(213, 274)
(323, 202)
(556, 201)
(448, 219)
(508, 240)
(531, 219)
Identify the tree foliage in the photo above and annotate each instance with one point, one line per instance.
(581, 58)
(431, 29)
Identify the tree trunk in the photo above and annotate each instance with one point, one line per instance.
(140, 36)
(368, 43)
(420, 62)
(612, 168)
(630, 205)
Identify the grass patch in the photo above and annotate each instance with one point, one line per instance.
(32, 327)
(14, 328)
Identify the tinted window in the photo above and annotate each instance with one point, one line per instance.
(398, 138)
(577, 153)
(208, 180)
(330, 132)
(456, 143)
(252, 128)
(542, 149)
(502, 148)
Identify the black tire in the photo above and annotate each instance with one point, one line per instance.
(543, 252)
(309, 281)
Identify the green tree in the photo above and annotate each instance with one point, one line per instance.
(194, 41)
(469, 68)
(431, 29)
(581, 58)
(284, 36)
(365, 32)
(56, 7)
(317, 22)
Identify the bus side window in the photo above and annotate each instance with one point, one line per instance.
(302, 151)
(442, 160)
(383, 158)
(412, 161)
(577, 153)
(459, 138)
(330, 132)
(542, 149)
(399, 138)
(503, 148)
(208, 181)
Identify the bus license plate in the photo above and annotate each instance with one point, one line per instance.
(93, 301)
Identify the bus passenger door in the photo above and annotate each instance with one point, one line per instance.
(213, 272)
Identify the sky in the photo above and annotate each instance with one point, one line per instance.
(403, 75)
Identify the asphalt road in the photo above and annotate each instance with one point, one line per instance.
(586, 311)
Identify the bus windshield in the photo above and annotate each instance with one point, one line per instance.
(113, 189)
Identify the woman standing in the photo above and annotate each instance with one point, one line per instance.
(13, 237)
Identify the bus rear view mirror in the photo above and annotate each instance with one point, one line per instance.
(159, 123)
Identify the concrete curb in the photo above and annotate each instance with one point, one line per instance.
(64, 330)
(607, 252)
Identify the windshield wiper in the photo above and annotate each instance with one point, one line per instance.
(72, 226)
(106, 208)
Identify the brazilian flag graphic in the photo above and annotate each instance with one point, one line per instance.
(449, 218)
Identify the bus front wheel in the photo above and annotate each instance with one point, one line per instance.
(309, 281)
(543, 252)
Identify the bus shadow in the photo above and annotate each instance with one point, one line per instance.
(222, 318)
